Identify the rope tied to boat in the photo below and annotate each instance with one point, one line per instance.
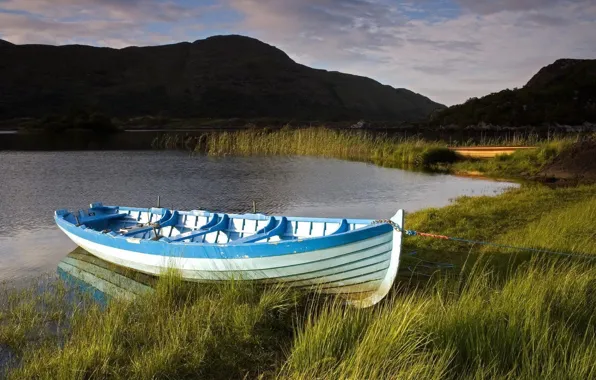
(395, 226)
(469, 241)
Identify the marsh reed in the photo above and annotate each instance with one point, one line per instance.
(322, 142)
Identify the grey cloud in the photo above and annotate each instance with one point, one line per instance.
(493, 6)
(23, 29)
(480, 51)
(464, 46)
(361, 19)
(115, 23)
(116, 9)
(541, 19)
(434, 70)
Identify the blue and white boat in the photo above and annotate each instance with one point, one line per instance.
(355, 258)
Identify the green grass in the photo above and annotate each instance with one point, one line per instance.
(537, 324)
(531, 216)
(513, 138)
(499, 315)
(521, 163)
(181, 331)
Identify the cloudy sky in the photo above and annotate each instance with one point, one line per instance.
(449, 50)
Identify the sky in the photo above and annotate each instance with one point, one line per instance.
(448, 50)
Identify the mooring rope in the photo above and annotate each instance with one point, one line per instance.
(444, 237)
(425, 264)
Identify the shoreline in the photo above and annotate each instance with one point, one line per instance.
(414, 153)
(410, 153)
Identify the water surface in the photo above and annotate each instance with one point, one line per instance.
(34, 184)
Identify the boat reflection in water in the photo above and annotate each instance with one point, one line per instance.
(101, 279)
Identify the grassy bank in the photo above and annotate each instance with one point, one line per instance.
(519, 164)
(499, 315)
(380, 149)
(524, 217)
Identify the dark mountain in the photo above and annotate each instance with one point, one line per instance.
(5, 43)
(219, 77)
(561, 93)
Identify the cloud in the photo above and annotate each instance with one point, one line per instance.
(115, 23)
(449, 50)
(492, 6)
(20, 29)
(447, 58)
(111, 9)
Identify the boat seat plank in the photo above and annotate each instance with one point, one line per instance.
(109, 217)
(220, 226)
(167, 219)
(138, 230)
(263, 231)
(266, 232)
(213, 222)
(88, 219)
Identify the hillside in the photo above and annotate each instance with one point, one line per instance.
(219, 77)
(561, 93)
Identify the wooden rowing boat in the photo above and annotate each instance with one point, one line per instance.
(355, 258)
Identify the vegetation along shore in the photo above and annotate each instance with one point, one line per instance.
(402, 152)
(498, 313)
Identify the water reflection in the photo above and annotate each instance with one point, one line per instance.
(34, 184)
(92, 276)
(101, 279)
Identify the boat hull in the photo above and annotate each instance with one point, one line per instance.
(360, 266)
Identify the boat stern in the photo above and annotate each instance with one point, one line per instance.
(391, 274)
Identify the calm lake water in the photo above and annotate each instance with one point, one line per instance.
(34, 184)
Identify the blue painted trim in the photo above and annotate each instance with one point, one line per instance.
(279, 230)
(166, 216)
(100, 218)
(271, 225)
(171, 221)
(172, 248)
(212, 223)
(225, 251)
(220, 226)
(252, 216)
(343, 227)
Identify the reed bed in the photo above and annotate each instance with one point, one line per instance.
(534, 319)
(175, 141)
(515, 138)
(411, 152)
(350, 145)
(402, 152)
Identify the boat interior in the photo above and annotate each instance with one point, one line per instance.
(199, 226)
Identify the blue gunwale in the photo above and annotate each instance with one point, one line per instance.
(224, 250)
(158, 210)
